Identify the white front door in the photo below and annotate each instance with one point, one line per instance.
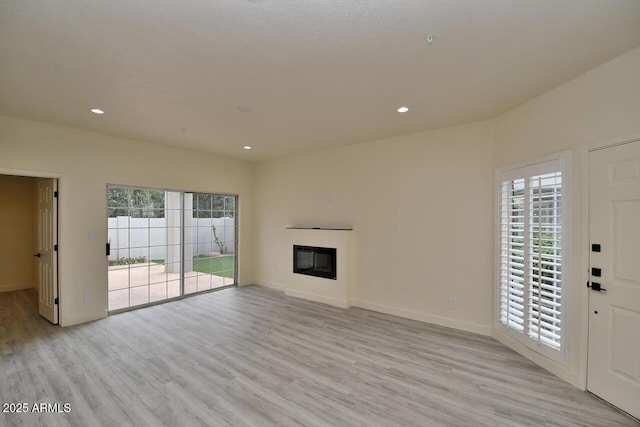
(614, 310)
(47, 256)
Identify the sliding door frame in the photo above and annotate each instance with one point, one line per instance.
(182, 246)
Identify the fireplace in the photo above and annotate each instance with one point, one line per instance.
(317, 255)
(314, 261)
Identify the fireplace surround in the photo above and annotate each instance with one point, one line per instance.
(330, 287)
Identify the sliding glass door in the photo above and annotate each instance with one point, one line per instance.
(165, 244)
(210, 241)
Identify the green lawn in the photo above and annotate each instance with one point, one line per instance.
(220, 266)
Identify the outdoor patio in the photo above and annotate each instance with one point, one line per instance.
(136, 284)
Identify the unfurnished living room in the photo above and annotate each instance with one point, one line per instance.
(320, 213)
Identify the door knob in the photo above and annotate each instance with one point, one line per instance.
(38, 255)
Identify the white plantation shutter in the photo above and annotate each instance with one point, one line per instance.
(545, 260)
(512, 264)
(532, 255)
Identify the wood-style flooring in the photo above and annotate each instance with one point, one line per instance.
(254, 357)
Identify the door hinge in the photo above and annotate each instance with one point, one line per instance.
(55, 194)
(55, 301)
(108, 249)
(55, 248)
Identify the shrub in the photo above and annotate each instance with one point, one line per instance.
(127, 261)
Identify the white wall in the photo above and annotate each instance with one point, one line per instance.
(421, 207)
(86, 162)
(593, 109)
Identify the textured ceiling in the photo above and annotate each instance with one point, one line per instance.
(314, 74)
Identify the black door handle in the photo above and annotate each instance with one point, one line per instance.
(37, 255)
(596, 287)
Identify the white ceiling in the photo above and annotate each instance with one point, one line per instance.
(314, 73)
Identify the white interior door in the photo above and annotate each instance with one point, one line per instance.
(47, 256)
(614, 311)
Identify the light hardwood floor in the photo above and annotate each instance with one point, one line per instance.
(254, 357)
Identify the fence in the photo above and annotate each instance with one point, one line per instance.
(151, 237)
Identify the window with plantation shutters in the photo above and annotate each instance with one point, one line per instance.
(532, 255)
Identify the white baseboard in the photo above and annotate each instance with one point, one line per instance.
(396, 311)
(424, 317)
(82, 318)
(336, 302)
(272, 285)
(544, 362)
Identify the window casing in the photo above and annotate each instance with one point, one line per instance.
(533, 254)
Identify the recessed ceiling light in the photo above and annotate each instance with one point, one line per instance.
(247, 147)
(97, 111)
(403, 109)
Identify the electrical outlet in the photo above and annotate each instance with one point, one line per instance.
(453, 303)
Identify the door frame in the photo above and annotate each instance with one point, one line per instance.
(30, 173)
(584, 276)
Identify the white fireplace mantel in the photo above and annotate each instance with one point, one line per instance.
(334, 292)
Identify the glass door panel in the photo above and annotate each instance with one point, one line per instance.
(144, 231)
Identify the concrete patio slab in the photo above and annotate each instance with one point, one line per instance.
(136, 284)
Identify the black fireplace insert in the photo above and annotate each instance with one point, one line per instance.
(314, 261)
